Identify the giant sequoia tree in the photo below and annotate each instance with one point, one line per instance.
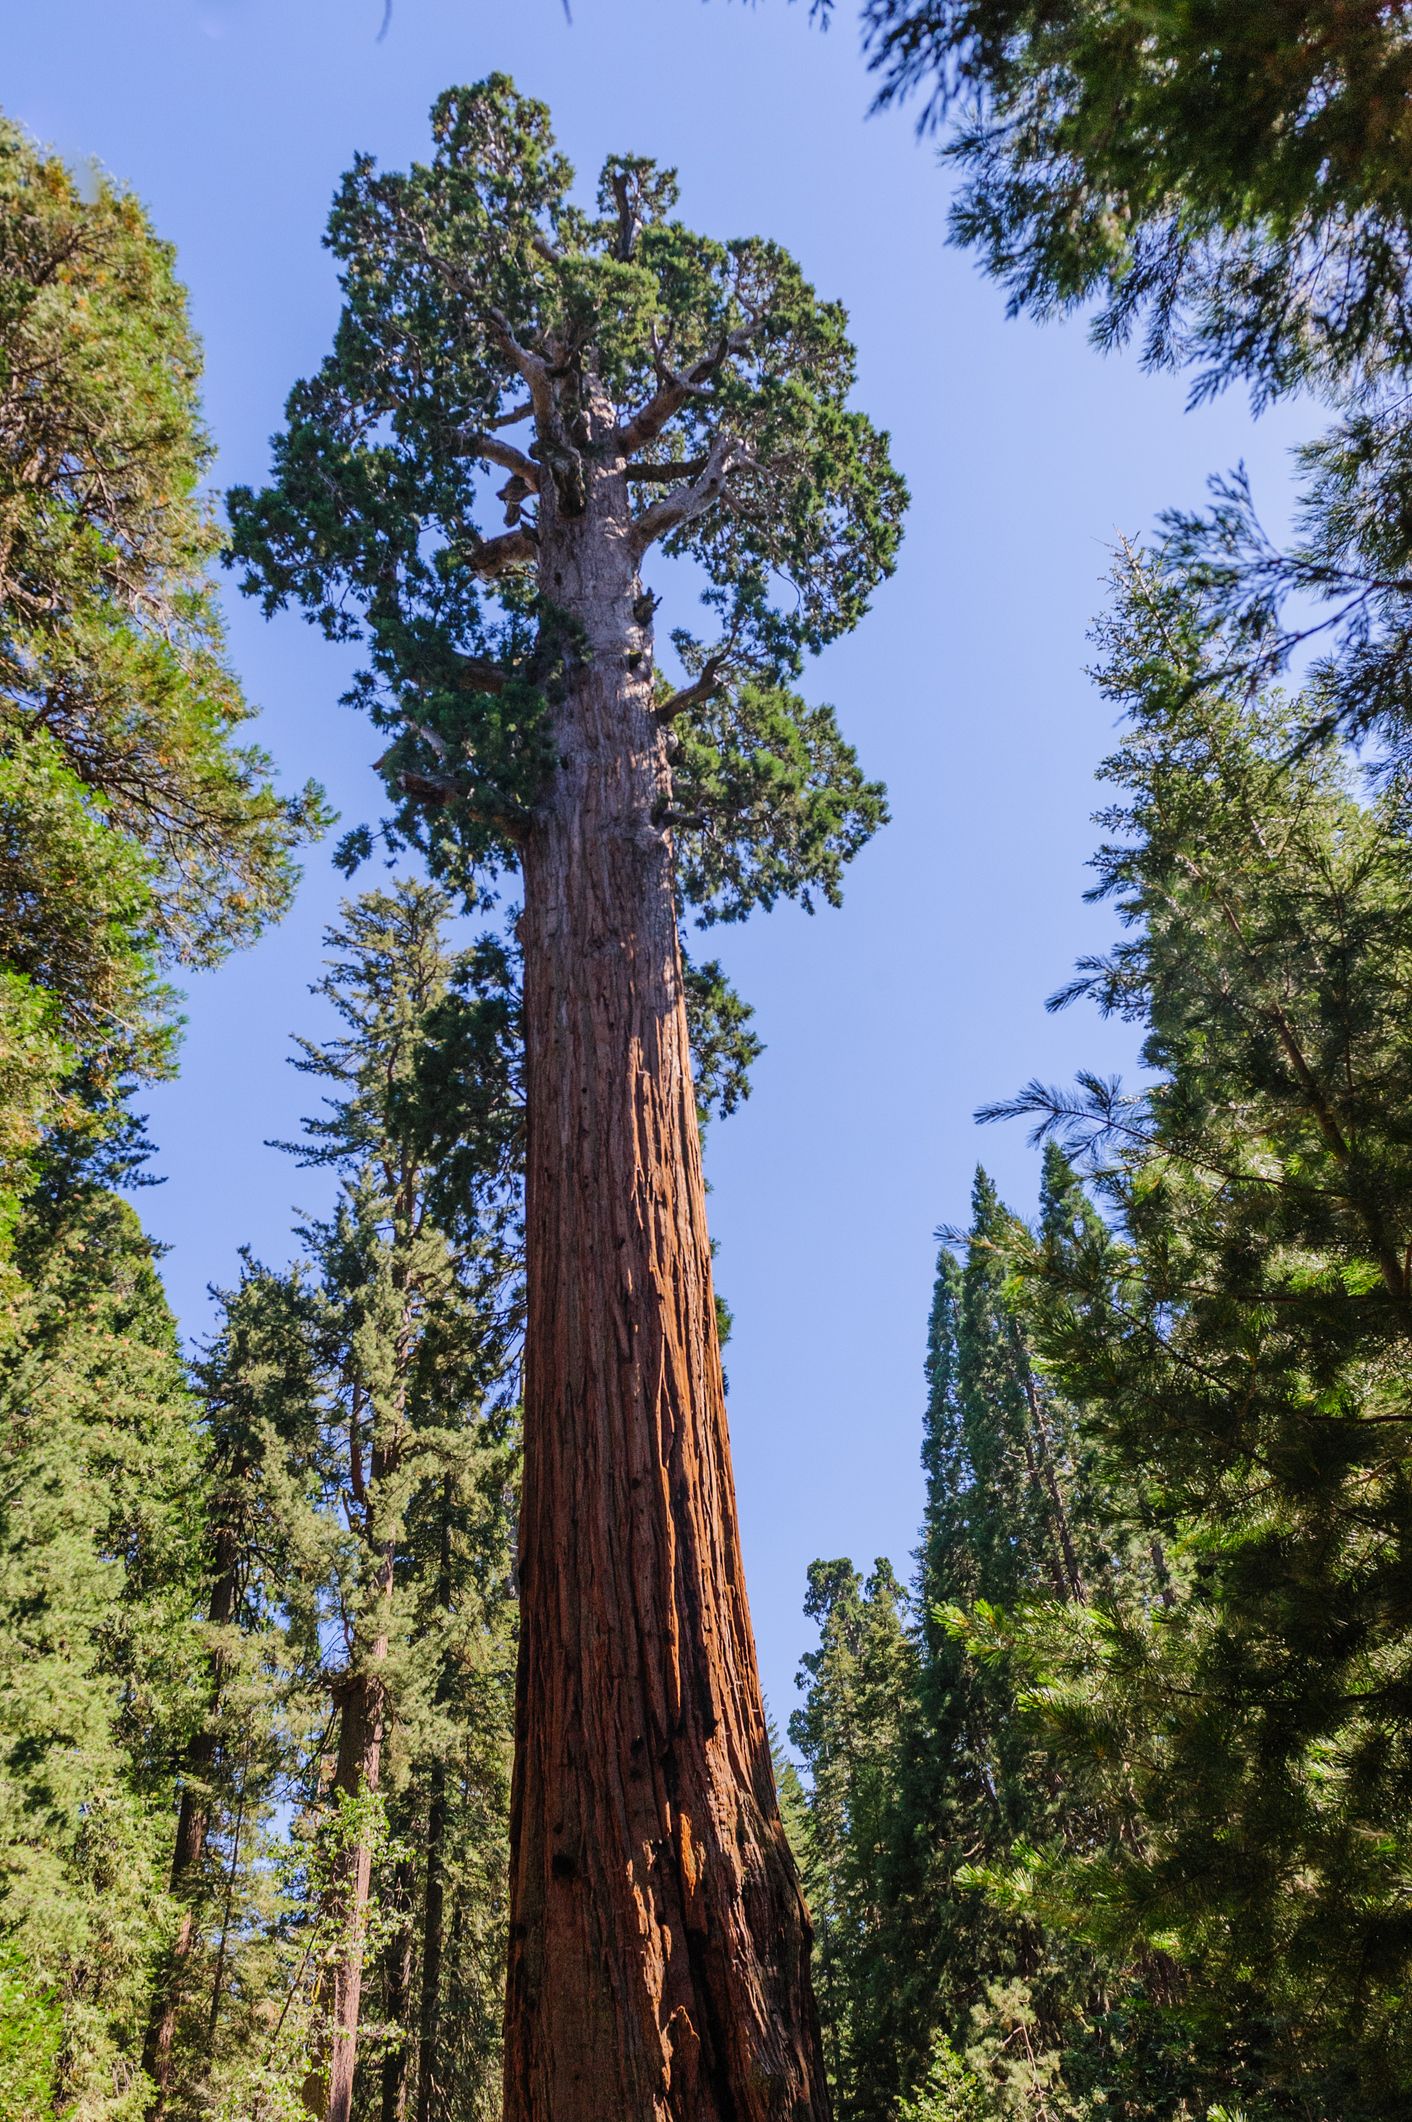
(630, 385)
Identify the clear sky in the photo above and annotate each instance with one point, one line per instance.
(1027, 453)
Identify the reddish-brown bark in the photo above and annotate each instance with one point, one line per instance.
(328, 2090)
(659, 1948)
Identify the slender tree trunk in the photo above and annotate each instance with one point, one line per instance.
(193, 1828)
(1071, 1577)
(659, 1944)
(434, 1904)
(397, 1983)
(328, 2090)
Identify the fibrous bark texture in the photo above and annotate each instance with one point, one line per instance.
(659, 1962)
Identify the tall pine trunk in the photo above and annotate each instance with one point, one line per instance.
(434, 1899)
(328, 2090)
(193, 1829)
(659, 1945)
(397, 1995)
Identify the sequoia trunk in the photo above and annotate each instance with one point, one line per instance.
(659, 1945)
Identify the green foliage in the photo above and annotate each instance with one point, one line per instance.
(1234, 181)
(364, 1450)
(462, 277)
(31, 2030)
(100, 1489)
(134, 830)
(948, 2093)
(1237, 1333)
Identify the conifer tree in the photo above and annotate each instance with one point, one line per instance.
(860, 1688)
(410, 1342)
(134, 829)
(259, 1366)
(1230, 186)
(637, 386)
(931, 1791)
(99, 1580)
(1237, 1335)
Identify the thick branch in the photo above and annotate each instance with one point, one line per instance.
(493, 556)
(696, 694)
(665, 471)
(648, 422)
(475, 442)
(691, 501)
(440, 791)
(477, 674)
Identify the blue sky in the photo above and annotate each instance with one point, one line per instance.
(886, 1024)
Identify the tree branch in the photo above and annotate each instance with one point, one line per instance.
(648, 422)
(477, 674)
(701, 689)
(667, 469)
(440, 791)
(691, 501)
(493, 556)
(475, 442)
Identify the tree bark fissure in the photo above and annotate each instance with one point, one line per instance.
(659, 1962)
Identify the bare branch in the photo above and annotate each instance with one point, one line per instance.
(494, 556)
(647, 423)
(691, 501)
(627, 219)
(477, 674)
(701, 689)
(666, 470)
(441, 791)
(532, 366)
(516, 414)
(475, 442)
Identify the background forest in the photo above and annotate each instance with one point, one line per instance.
(1100, 1799)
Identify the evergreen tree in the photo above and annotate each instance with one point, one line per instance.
(667, 390)
(133, 828)
(1237, 1336)
(1231, 185)
(100, 1506)
(240, 1748)
(860, 1689)
(931, 1793)
(388, 1464)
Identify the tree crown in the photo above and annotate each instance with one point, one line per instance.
(482, 303)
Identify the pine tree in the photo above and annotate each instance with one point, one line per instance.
(411, 1343)
(860, 1687)
(932, 1794)
(1230, 186)
(671, 391)
(133, 828)
(103, 1478)
(204, 2009)
(1237, 1334)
